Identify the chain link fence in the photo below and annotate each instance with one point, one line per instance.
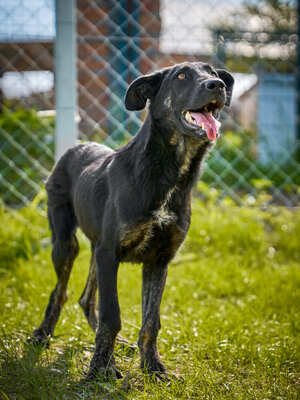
(27, 31)
(119, 40)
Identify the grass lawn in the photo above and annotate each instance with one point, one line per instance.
(230, 312)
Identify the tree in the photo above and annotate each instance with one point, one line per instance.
(276, 16)
(260, 33)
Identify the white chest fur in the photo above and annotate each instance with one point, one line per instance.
(164, 216)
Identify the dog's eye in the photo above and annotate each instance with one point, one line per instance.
(181, 76)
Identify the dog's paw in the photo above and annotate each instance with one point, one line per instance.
(154, 367)
(165, 377)
(160, 377)
(110, 372)
(39, 339)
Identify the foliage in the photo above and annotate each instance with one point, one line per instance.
(27, 150)
(233, 167)
(279, 16)
(230, 315)
(271, 24)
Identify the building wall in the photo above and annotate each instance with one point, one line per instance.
(246, 109)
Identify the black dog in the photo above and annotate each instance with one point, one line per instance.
(134, 204)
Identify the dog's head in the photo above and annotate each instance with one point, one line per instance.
(188, 97)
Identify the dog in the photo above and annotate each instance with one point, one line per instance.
(134, 204)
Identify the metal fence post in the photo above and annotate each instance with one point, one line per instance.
(65, 76)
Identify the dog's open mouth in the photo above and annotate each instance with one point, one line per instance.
(205, 119)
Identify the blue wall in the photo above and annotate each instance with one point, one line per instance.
(276, 118)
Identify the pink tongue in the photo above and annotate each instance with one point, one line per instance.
(211, 125)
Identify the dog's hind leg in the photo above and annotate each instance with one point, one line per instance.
(65, 249)
(88, 299)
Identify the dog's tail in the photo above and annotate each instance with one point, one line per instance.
(61, 213)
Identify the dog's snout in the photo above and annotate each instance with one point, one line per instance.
(214, 84)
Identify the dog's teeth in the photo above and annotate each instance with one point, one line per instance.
(202, 126)
(188, 117)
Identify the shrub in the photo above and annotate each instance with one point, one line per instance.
(26, 153)
(234, 165)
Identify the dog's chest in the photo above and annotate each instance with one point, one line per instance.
(145, 237)
(137, 238)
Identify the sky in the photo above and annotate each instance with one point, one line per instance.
(34, 19)
(27, 19)
(189, 20)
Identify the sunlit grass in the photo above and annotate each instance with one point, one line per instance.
(230, 312)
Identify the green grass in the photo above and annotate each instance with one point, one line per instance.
(230, 312)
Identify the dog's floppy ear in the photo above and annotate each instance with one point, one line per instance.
(143, 88)
(228, 79)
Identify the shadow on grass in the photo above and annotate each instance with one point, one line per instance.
(30, 372)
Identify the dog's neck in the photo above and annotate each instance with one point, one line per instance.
(166, 161)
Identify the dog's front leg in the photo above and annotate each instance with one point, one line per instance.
(109, 315)
(154, 278)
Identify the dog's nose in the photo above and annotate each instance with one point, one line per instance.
(213, 84)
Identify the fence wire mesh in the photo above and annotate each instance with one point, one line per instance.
(120, 39)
